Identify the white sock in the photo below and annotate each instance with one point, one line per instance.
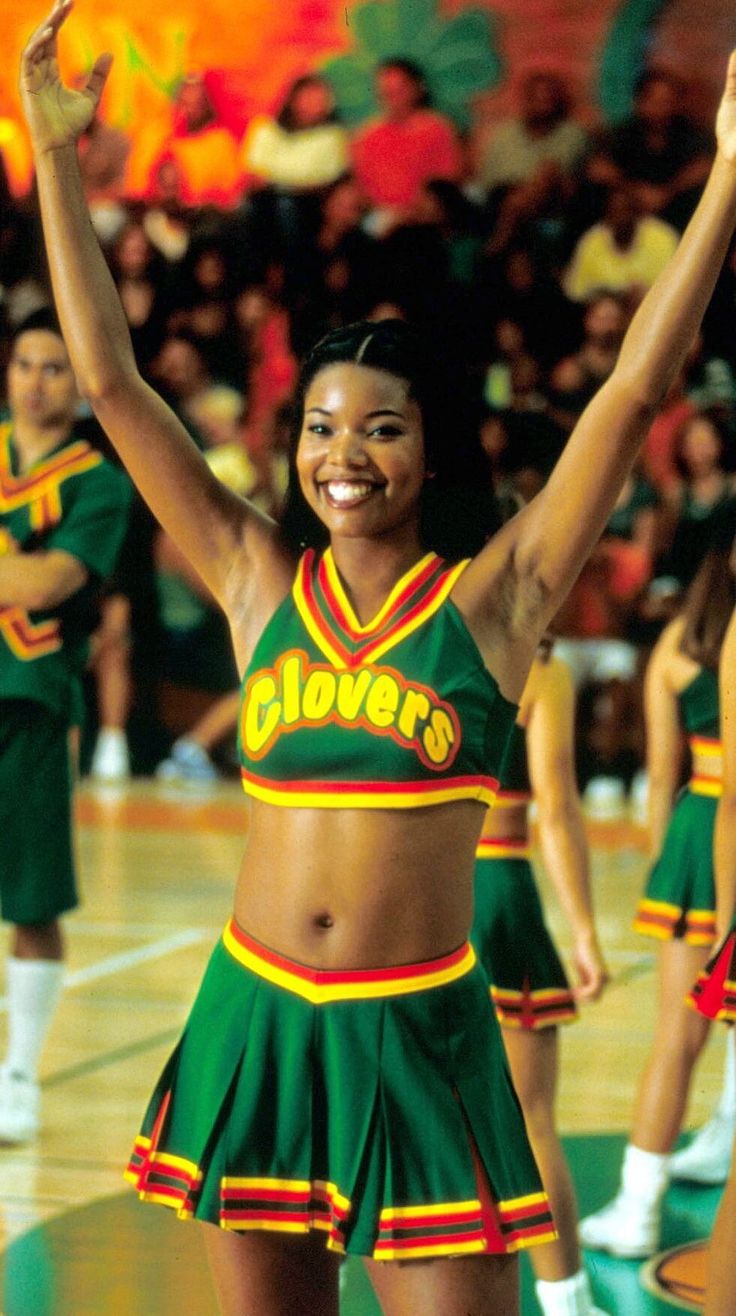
(111, 736)
(644, 1175)
(565, 1297)
(726, 1108)
(34, 988)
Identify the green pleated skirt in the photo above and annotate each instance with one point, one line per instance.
(680, 896)
(373, 1105)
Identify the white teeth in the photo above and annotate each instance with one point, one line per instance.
(348, 491)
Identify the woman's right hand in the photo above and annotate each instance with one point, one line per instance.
(56, 115)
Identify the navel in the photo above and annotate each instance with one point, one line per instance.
(324, 921)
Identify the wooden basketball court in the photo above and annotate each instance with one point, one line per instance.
(158, 869)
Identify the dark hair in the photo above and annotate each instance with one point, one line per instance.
(285, 117)
(413, 71)
(651, 76)
(714, 417)
(711, 597)
(44, 319)
(458, 510)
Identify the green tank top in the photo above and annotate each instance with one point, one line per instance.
(515, 785)
(698, 704)
(399, 713)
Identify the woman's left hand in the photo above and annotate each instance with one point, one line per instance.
(56, 115)
(726, 117)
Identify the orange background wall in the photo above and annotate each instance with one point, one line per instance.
(257, 46)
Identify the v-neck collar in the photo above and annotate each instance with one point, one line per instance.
(330, 618)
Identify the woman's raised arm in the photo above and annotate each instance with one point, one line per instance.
(535, 559)
(220, 534)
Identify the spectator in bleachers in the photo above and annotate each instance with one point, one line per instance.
(330, 281)
(624, 252)
(143, 281)
(659, 151)
(181, 373)
(705, 459)
(528, 170)
(577, 378)
(409, 143)
(204, 151)
(206, 292)
(517, 286)
(304, 147)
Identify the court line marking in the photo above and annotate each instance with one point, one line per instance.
(127, 960)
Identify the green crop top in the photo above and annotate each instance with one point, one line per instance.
(399, 713)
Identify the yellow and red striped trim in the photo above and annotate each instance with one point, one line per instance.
(714, 993)
(531, 1010)
(29, 640)
(460, 1228)
(506, 799)
(291, 1206)
(321, 986)
(503, 847)
(368, 794)
(334, 633)
(709, 752)
(660, 919)
(42, 483)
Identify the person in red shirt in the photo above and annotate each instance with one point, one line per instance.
(406, 146)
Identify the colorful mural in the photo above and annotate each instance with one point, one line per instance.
(474, 50)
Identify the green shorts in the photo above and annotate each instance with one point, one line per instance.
(37, 881)
(528, 984)
(680, 896)
(714, 994)
(374, 1105)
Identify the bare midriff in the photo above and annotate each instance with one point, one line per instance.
(507, 820)
(359, 888)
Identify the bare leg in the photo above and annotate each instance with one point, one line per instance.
(453, 1286)
(38, 941)
(218, 719)
(264, 1274)
(721, 1275)
(679, 1037)
(533, 1060)
(112, 663)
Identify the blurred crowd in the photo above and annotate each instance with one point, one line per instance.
(523, 250)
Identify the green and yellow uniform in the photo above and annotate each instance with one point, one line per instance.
(528, 984)
(680, 896)
(374, 1105)
(71, 500)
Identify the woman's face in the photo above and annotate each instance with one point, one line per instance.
(312, 104)
(701, 447)
(360, 458)
(133, 251)
(398, 93)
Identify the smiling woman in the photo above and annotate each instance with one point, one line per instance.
(341, 1078)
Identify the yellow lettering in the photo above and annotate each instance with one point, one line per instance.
(415, 707)
(258, 729)
(439, 736)
(351, 690)
(382, 701)
(291, 674)
(319, 695)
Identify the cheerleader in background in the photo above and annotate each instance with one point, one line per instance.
(678, 907)
(714, 995)
(529, 988)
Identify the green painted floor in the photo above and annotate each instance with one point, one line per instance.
(120, 1258)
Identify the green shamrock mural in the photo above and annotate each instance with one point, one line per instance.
(625, 55)
(458, 55)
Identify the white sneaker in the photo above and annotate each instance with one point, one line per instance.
(625, 1228)
(111, 758)
(20, 1107)
(707, 1159)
